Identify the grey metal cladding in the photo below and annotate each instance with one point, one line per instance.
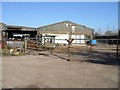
(2, 26)
(60, 28)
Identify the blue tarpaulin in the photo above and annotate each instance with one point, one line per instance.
(93, 42)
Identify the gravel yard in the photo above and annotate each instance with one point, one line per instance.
(50, 71)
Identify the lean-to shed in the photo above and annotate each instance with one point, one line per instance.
(12, 30)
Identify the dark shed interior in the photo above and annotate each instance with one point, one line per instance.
(18, 30)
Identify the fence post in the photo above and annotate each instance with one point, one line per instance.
(117, 50)
(90, 52)
(37, 38)
(68, 52)
(25, 45)
(69, 43)
(51, 50)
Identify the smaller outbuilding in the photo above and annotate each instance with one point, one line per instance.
(17, 32)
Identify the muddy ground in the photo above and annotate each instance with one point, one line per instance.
(52, 71)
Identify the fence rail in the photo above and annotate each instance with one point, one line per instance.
(38, 44)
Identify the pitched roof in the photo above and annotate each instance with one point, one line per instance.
(61, 28)
(69, 22)
(23, 28)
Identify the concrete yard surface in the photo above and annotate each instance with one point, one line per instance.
(48, 71)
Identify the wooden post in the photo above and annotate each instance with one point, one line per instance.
(68, 52)
(69, 43)
(40, 41)
(44, 40)
(117, 50)
(37, 43)
(25, 45)
(90, 52)
(51, 50)
(14, 45)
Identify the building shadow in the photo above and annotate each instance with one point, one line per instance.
(104, 62)
(104, 58)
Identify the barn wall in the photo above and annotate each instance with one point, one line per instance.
(60, 38)
(66, 36)
(2, 27)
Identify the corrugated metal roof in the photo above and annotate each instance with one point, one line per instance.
(68, 22)
(56, 28)
(23, 28)
(61, 28)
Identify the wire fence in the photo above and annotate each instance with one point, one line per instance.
(102, 50)
(107, 48)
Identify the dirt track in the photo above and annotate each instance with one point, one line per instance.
(47, 71)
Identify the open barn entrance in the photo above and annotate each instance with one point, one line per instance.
(14, 32)
(14, 38)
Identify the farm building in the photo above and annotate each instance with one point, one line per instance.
(58, 32)
(106, 39)
(12, 31)
(13, 36)
(53, 33)
(2, 28)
